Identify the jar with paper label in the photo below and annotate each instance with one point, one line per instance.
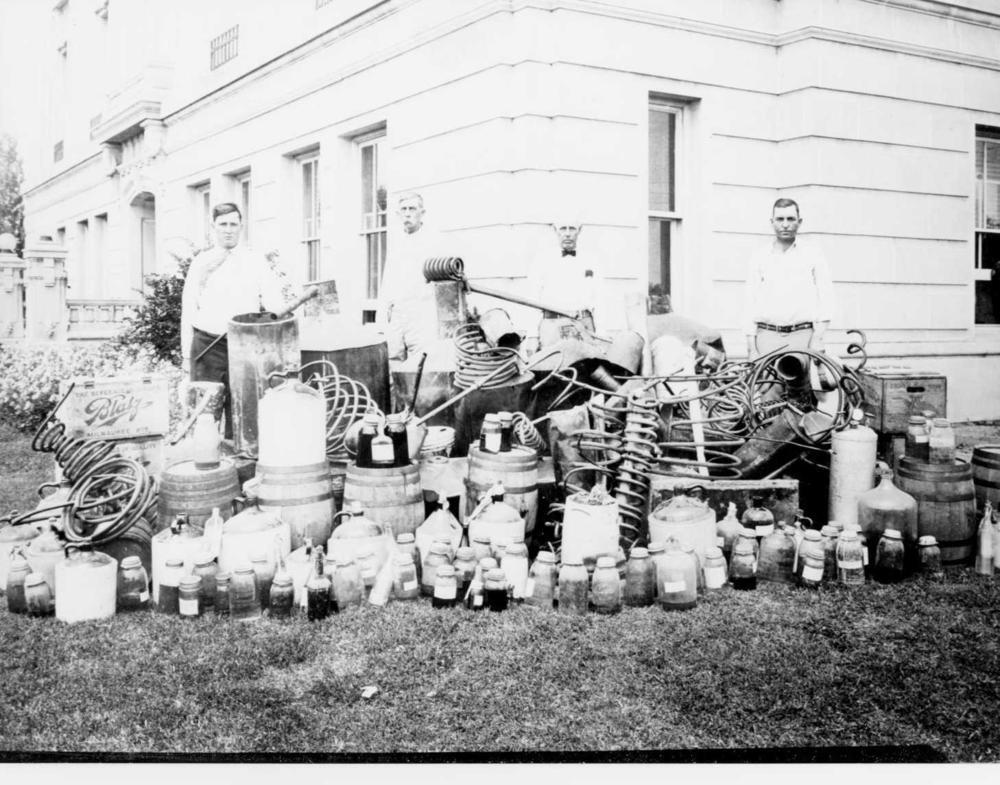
(406, 542)
(38, 595)
(758, 518)
(383, 451)
(436, 557)
(206, 568)
(941, 442)
(889, 564)
(656, 553)
(367, 567)
(515, 566)
(481, 548)
(640, 578)
(692, 554)
(715, 570)
(282, 599)
(677, 579)
(188, 598)
(930, 557)
(244, 604)
(777, 555)
(496, 590)
(222, 593)
(17, 575)
(917, 439)
(405, 584)
(728, 529)
(812, 546)
(445, 587)
(748, 535)
(170, 582)
(850, 559)
(574, 586)
(743, 566)
(475, 597)
(540, 588)
(506, 430)
(489, 436)
(829, 535)
(606, 587)
(465, 568)
(395, 429)
(133, 586)
(348, 589)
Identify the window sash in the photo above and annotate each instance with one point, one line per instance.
(311, 216)
(374, 214)
(244, 187)
(662, 158)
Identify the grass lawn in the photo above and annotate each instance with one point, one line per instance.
(914, 664)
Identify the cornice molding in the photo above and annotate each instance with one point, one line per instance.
(959, 11)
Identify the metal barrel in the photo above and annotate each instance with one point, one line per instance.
(195, 492)
(946, 505)
(257, 348)
(392, 497)
(302, 496)
(361, 353)
(986, 475)
(515, 396)
(517, 470)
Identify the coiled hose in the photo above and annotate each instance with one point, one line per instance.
(475, 359)
(444, 268)
(347, 402)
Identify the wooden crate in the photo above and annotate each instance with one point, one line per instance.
(119, 407)
(781, 497)
(893, 394)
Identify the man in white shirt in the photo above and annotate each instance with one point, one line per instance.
(222, 282)
(789, 294)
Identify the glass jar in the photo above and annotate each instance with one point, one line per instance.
(917, 439)
(37, 595)
(640, 578)
(930, 557)
(170, 583)
(369, 429)
(407, 543)
(489, 436)
(484, 566)
(244, 605)
(506, 430)
(445, 587)
(540, 588)
(850, 559)
(656, 552)
(263, 570)
(747, 535)
(728, 530)
(941, 442)
(282, 598)
(206, 569)
(481, 548)
(395, 428)
(133, 586)
(758, 518)
(811, 566)
(777, 556)
(475, 597)
(16, 578)
(348, 585)
(699, 575)
(383, 452)
(496, 590)
(437, 555)
(677, 579)
(811, 546)
(889, 564)
(367, 568)
(187, 599)
(606, 587)
(465, 568)
(743, 566)
(715, 570)
(829, 535)
(318, 588)
(515, 566)
(222, 593)
(405, 585)
(573, 587)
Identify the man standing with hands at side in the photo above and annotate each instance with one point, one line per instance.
(789, 294)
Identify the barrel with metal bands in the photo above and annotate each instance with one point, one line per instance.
(517, 470)
(946, 505)
(986, 475)
(302, 496)
(195, 492)
(392, 497)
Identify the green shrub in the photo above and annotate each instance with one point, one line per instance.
(156, 324)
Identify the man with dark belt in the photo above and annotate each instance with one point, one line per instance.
(789, 294)
(222, 282)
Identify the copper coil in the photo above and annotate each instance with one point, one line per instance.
(444, 268)
(475, 359)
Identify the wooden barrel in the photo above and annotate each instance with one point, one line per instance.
(388, 496)
(186, 489)
(302, 496)
(986, 475)
(517, 470)
(946, 505)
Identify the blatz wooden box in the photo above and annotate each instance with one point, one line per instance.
(122, 407)
(893, 394)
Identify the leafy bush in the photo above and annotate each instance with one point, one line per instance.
(156, 324)
(30, 376)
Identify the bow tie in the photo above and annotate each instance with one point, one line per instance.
(568, 253)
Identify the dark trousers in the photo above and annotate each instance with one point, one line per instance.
(212, 367)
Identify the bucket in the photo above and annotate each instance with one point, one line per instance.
(86, 587)
(517, 470)
(194, 492)
(986, 475)
(388, 496)
(946, 505)
(303, 498)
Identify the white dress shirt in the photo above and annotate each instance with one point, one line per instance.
(221, 284)
(564, 283)
(787, 287)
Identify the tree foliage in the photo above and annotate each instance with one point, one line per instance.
(11, 179)
(156, 325)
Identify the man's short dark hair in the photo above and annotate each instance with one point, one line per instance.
(225, 208)
(786, 203)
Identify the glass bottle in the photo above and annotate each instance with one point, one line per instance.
(383, 451)
(606, 586)
(244, 604)
(282, 598)
(573, 587)
(484, 566)
(369, 429)
(506, 430)
(699, 575)
(748, 535)
(917, 439)
(850, 559)
(889, 564)
(777, 555)
(206, 569)
(465, 568)
(263, 570)
(318, 588)
(170, 583)
(941, 442)
(223, 595)
(37, 595)
(489, 436)
(811, 546)
(481, 548)
(445, 587)
(515, 566)
(348, 585)
(213, 534)
(728, 529)
(656, 552)
(367, 568)
(475, 596)
(715, 570)
(17, 574)
(677, 579)
(188, 594)
(930, 557)
(496, 590)
(405, 584)
(640, 578)
(206, 442)
(540, 588)
(829, 535)
(758, 518)
(395, 427)
(743, 566)
(437, 555)
(887, 507)
(984, 551)
(407, 543)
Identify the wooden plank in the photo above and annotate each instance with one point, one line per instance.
(781, 497)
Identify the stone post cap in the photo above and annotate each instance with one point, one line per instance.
(8, 242)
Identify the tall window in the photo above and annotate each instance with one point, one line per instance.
(203, 214)
(987, 271)
(243, 200)
(374, 203)
(83, 259)
(664, 121)
(309, 166)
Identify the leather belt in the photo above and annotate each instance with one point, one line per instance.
(785, 328)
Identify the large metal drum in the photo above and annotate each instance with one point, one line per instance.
(435, 388)
(946, 505)
(517, 470)
(303, 498)
(470, 411)
(195, 492)
(256, 349)
(986, 475)
(360, 353)
(392, 497)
